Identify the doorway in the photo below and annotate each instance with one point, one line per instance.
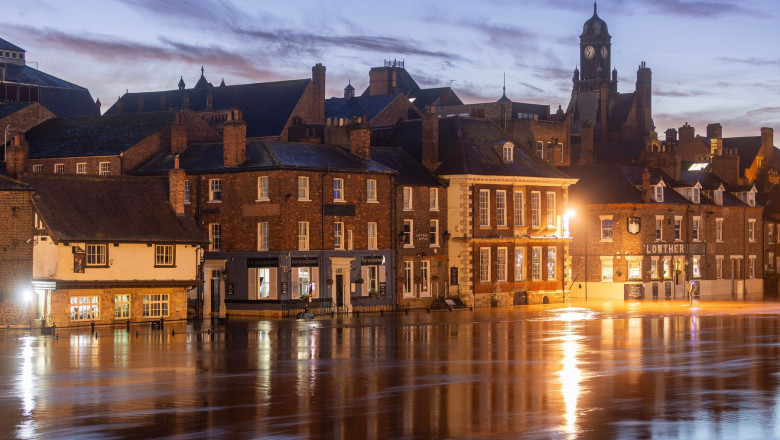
(215, 282)
(339, 291)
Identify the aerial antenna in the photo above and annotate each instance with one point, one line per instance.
(451, 81)
(504, 90)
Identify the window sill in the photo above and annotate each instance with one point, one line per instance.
(165, 266)
(338, 200)
(434, 210)
(263, 200)
(304, 200)
(103, 266)
(606, 240)
(214, 201)
(372, 201)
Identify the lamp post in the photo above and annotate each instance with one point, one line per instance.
(5, 142)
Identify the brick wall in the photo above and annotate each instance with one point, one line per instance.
(16, 228)
(307, 109)
(398, 110)
(60, 305)
(93, 164)
(23, 120)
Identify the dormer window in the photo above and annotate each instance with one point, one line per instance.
(751, 198)
(507, 152)
(696, 195)
(718, 196)
(659, 193)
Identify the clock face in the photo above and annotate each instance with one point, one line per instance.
(604, 52)
(590, 52)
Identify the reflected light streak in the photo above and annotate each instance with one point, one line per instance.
(27, 427)
(570, 383)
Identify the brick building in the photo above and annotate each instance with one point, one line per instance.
(111, 249)
(290, 223)
(17, 118)
(505, 210)
(17, 304)
(644, 235)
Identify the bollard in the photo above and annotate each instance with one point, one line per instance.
(162, 323)
(93, 327)
(173, 332)
(95, 335)
(381, 313)
(136, 333)
(53, 328)
(128, 326)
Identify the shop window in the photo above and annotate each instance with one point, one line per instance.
(261, 284)
(121, 306)
(635, 269)
(155, 305)
(84, 308)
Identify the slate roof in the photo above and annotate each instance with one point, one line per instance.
(472, 146)
(619, 109)
(586, 106)
(429, 96)
(59, 96)
(6, 45)
(370, 106)
(747, 146)
(404, 83)
(537, 109)
(619, 152)
(266, 107)
(262, 155)
(9, 184)
(11, 108)
(110, 209)
(410, 171)
(771, 201)
(94, 135)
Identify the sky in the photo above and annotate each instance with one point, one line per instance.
(712, 60)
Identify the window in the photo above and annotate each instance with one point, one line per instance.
(303, 188)
(408, 277)
(536, 263)
(718, 197)
(372, 235)
(338, 190)
(719, 266)
(519, 264)
(501, 209)
(433, 235)
(696, 228)
(634, 269)
(338, 235)
(408, 231)
(654, 268)
(121, 306)
(407, 198)
(563, 153)
(81, 168)
(97, 255)
(540, 149)
(59, 168)
(551, 223)
(696, 266)
(659, 193)
(38, 222)
(371, 190)
(751, 198)
(519, 209)
(215, 236)
(164, 255)
(606, 228)
(262, 236)
(719, 229)
(606, 268)
(551, 263)
(303, 236)
(155, 305)
(536, 209)
(696, 195)
(751, 230)
(37, 168)
(263, 188)
(506, 152)
(350, 243)
(260, 283)
(215, 190)
(659, 227)
(302, 282)
(667, 268)
(187, 193)
(425, 289)
(372, 278)
(434, 199)
(501, 269)
(484, 208)
(84, 308)
(484, 265)
(769, 229)
(677, 228)
(752, 266)
(104, 168)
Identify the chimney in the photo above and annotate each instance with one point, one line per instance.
(234, 139)
(178, 134)
(671, 135)
(176, 179)
(98, 105)
(360, 138)
(714, 131)
(318, 78)
(645, 185)
(767, 138)
(687, 133)
(586, 141)
(430, 139)
(17, 155)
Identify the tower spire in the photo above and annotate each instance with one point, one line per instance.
(504, 89)
(594, 8)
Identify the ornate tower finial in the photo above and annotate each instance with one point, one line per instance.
(201, 70)
(594, 8)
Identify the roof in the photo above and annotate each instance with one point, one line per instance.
(472, 146)
(619, 152)
(370, 106)
(444, 95)
(601, 184)
(61, 97)
(404, 83)
(6, 45)
(619, 108)
(12, 107)
(410, 171)
(110, 209)
(9, 184)
(94, 135)
(266, 107)
(747, 146)
(262, 155)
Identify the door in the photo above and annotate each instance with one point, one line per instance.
(679, 279)
(339, 291)
(215, 296)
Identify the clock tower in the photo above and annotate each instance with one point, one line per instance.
(595, 56)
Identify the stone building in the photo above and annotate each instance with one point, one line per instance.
(109, 250)
(17, 118)
(18, 306)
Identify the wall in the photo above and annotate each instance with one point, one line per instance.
(16, 228)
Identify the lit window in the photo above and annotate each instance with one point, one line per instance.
(303, 188)
(606, 269)
(303, 236)
(507, 152)
(260, 285)
(634, 269)
(551, 263)
(696, 228)
(434, 199)
(536, 263)
(262, 236)
(551, 223)
(155, 305)
(408, 277)
(667, 268)
(536, 209)
(484, 265)
(338, 190)
(501, 209)
(371, 190)
(84, 308)
(59, 168)
(215, 190)
(751, 230)
(263, 188)
(372, 235)
(433, 235)
(654, 268)
(520, 264)
(696, 266)
(121, 306)
(104, 168)
(338, 235)
(659, 227)
(501, 269)
(484, 208)
(81, 168)
(97, 255)
(407, 198)
(187, 192)
(519, 210)
(215, 236)
(606, 228)
(163, 255)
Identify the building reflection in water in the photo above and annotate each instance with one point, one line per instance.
(543, 373)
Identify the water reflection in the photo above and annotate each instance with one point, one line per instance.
(557, 372)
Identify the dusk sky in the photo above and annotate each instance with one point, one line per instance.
(712, 60)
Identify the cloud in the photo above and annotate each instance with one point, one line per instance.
(532, 87)
(763, 110)
(697, 9)
(199, 11)
(750, 61)
(676, 93)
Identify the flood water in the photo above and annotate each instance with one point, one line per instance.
(663, 370)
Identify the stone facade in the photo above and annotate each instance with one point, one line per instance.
(17, 306)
